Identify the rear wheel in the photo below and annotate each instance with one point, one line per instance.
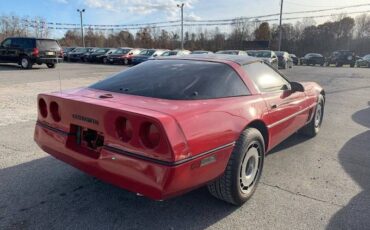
(243, 171)
(50, 65)
(25, 63)
(313, 128)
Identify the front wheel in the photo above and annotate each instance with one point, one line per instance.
(50, 65)
(125, 61)
(313, 128)
(243, 171)
(105, 60)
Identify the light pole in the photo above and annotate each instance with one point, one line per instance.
(82, 29)
(280, 28)
(182, 24)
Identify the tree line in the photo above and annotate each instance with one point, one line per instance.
(302, 37)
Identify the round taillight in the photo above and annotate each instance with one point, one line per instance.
(124, 129)
(150, 135)
(54, 111)
(43, 108)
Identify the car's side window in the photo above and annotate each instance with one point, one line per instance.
(264, 77)
(7, 43)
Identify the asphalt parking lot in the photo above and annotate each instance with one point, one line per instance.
(319, 183)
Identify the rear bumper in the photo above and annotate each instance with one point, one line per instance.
(156, 180)
(48, 60)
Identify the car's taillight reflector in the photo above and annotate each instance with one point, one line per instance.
(35, 52)
(124, 129)
(54, 110)
(43, 108)
(150, 135)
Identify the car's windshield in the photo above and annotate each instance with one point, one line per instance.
(262, 54)
(367, 57)
(147, 52)
(177, 80)
(228, 52)
(101, 50)
(80, 50)
(199, 52)
(122, 51)
(279, 53)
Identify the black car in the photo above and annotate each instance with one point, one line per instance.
(294, 59)
(66, 51)
(342, 57)
(100, 55)
(29, 51)
(78, 53)
(313, 59)
(85, 56)
(284, 60)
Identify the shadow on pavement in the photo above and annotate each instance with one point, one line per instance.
(355, 159)
(48, 194)
(10, 67)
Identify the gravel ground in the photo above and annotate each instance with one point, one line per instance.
(319, 183)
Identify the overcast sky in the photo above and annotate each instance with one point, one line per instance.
(141, 11)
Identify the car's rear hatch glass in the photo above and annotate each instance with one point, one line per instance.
(177, 80)
(47, 45)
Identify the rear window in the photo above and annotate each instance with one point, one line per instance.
(177, 80)
(47, 45)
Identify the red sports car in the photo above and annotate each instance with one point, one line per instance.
(173, 124)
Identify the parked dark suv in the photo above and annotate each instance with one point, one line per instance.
(29, 51)
(313, 59)
(342, 57)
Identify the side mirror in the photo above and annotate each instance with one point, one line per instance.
(155, 55)
(286, 87)
(296, 87)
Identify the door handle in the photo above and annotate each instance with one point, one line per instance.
(274, 106)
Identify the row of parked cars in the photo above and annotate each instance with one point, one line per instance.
(27, 52)
(122, 55)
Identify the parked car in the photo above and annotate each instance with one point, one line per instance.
(313, 59)
(86, 56)
(78, 53)
(123, 55)
(201, 52)
(294, 59)
(66, 51)
(173, 124)
(101, 55)
(284, 60)
(268, 56)
(342, 57)
(144, 55)
(29, 51)
(364, 61)
(232, 52)
(251, 52)
(175, 53)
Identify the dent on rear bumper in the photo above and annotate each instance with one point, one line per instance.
(151, 179)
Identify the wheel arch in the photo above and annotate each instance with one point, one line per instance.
(262, 128)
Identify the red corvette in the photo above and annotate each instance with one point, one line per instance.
(170, 125)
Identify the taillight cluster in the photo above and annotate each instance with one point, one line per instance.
(149, 133)
(35, 52)
(53, 108)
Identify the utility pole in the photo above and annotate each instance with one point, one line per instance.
(182, 24)
(82, 29)
(280, 28)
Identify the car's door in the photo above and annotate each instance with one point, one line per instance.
(14, 49)
(287, 110)
(4, 57)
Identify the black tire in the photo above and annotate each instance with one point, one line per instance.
(352, 65)
(313, 128)
(125, 61)
(337, 64)
(105, 60)
(25, 62)
(50, 65)
(228, 187)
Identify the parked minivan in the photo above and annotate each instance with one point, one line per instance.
(29, 51)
